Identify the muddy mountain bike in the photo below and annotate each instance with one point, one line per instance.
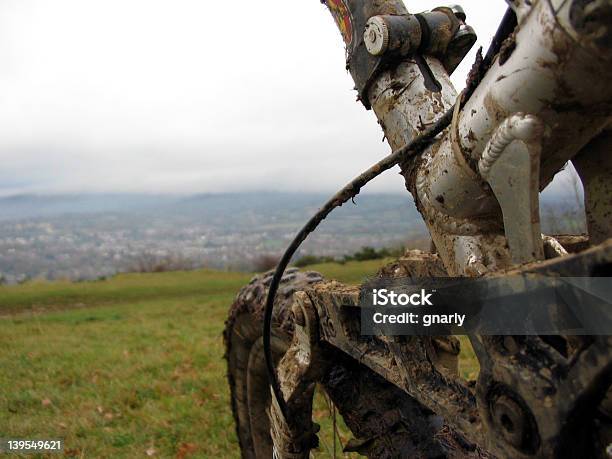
(475, 163)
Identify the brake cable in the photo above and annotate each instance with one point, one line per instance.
(352, 189)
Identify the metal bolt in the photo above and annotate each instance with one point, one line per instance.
(376, 36)
(464, 38)
(509, 418)
(459, 12)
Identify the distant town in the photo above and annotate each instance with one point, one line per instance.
(96, 236)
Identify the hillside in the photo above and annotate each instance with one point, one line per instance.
(127, 367)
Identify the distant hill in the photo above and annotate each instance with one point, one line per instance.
(221, 204)
(32, 206)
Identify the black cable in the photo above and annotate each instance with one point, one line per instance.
(352, 189)
(506, 27)
(482, 64)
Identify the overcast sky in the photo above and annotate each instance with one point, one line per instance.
(185, 96)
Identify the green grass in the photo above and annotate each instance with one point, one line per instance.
(127, 367)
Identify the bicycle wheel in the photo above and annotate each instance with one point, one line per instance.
(384, 420)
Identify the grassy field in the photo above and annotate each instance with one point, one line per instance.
(127, 367)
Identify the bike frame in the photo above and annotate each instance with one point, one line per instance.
(528, 117)
(528, 113)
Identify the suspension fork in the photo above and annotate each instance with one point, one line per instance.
(531, 113)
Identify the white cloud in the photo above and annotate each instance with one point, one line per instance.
(185, 95)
